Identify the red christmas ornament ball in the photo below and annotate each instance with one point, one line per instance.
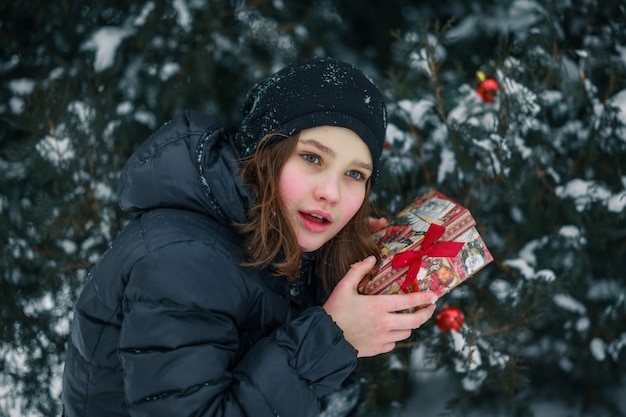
(487, 89)
(449, 318)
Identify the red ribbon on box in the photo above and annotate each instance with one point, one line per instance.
(430, 247)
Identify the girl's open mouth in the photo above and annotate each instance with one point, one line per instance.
(315, 218)
(314, 222)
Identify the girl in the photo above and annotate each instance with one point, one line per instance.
(234, 290)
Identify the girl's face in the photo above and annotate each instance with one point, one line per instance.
(322, 184)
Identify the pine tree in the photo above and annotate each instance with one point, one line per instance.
(541, 169)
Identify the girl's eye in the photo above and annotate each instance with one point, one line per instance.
(313, 159)
(356, 175)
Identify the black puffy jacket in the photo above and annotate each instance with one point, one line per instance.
(169, 323)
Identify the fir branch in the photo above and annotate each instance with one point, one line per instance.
(435, 83)
(487, 333)
(553, 62)
(434, 79)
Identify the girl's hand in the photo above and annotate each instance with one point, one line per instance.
(370, 323)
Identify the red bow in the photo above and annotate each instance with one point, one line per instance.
(413, 258)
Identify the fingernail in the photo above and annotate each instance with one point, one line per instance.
(369, 259)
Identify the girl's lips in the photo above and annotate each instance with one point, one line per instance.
(314, 222)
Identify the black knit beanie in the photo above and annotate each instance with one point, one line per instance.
(310, 93)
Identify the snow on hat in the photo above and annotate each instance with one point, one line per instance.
(310, 93)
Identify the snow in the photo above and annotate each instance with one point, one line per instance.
(104, 192)
(56, 74)
(468, 362)
(16, 104)
(168, 70)
(463, 29)
(604, 290)
(598, 349)
(546, 275)
(262, 28)
(517, 214)
(521, 15)
(619, 101)
(124, 108)
(616, 346)
(56, 150)
(145, 117)
(397, 160)
(447, 165)
(527, 260)
(500, 288)
(339, 403)
(105, 42)
(143, 16)
(183, 16)
(526, 102)
(586, 192)
(551, 97)
(420, 60)
(573, 234)
(568, 303)
(434, 388)
(582, 325)
(22, 86)
(617, 202)
(69, 246)
(397, 138)
(395, 363)
(16, 359)
(582, 53)
(417, 110)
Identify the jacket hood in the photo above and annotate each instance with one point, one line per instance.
(189, 163)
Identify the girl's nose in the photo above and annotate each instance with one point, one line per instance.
(327, 189)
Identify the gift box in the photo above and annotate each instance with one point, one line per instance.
(431, 245)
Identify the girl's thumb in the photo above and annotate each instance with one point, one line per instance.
(358, 270)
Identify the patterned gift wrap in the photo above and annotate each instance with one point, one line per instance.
(431, 245)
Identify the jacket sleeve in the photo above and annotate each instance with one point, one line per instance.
(179, 344)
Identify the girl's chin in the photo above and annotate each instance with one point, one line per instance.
(309, 247)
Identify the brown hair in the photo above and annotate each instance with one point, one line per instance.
(269, 237)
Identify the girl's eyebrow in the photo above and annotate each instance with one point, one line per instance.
(319, 146)
(331, 152)
(364, 165)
